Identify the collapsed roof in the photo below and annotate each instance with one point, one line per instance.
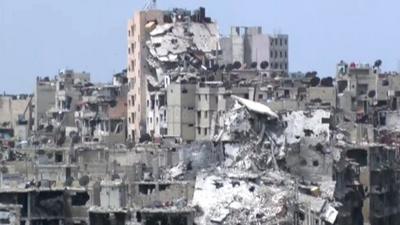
(180, 45)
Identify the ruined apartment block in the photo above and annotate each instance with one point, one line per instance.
(202, 129)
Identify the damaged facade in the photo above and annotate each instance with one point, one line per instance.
(203, 130)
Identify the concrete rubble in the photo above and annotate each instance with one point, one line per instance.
(187, 136)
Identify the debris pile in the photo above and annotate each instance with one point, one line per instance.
(253, 185)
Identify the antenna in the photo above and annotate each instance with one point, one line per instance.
(151, 4)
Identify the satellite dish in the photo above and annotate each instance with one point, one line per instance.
(327, 82)
(215, 68)
(378, 63)
(115, 176)
(372, 94)
(84, 180)
(237, 65)
(264, 65)
(314, 81)
(254, 65)
(69, 181)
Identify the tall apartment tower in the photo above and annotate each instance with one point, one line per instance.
(137, 69)
(249, 44)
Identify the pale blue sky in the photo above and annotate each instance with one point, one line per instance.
(38, 37)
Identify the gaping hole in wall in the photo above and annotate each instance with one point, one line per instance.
(16, 198)
(146, 189)
(308, 132)
(342, 85)
(79, 199)
(120, 218)
(59, 157)
(178, 220)
(157, 219)
(48, 203)
(164, 187)
(138, 217)
(165, 219)
(99, 219)
(358, 155)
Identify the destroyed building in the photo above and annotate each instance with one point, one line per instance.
(203, 130)
(164, 46)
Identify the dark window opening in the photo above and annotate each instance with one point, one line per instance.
(358, 155)
(164, 187)
(146, 188)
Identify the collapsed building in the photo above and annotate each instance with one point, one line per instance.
(187, 136)
(174, 46)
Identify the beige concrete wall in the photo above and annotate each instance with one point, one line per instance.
(10, 109)
(44, 100)
(326, 94)
(137, 70)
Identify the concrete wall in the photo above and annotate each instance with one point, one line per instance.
(325, 94)
(181, 110)
(44, 99)
(11, 108)
(148, 193)
(137, 70)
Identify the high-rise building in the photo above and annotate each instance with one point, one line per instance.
(248, 45)
(163, 47)
(137, 69)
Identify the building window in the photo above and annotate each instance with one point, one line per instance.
(285, 54)
(285, 41)
(286, 66)
(205, 114)
(148, 103)
(280, 54)
(133, 100)
(133, 64)
(205, 97)
(199, 97)
(133, 45)
(205, 131)
(198, 130)
(133, 117)
(191, 125)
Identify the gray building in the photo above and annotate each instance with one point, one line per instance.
(45, 91)
(181, 110)
(248, 44)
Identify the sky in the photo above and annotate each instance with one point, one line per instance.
(40, 37)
